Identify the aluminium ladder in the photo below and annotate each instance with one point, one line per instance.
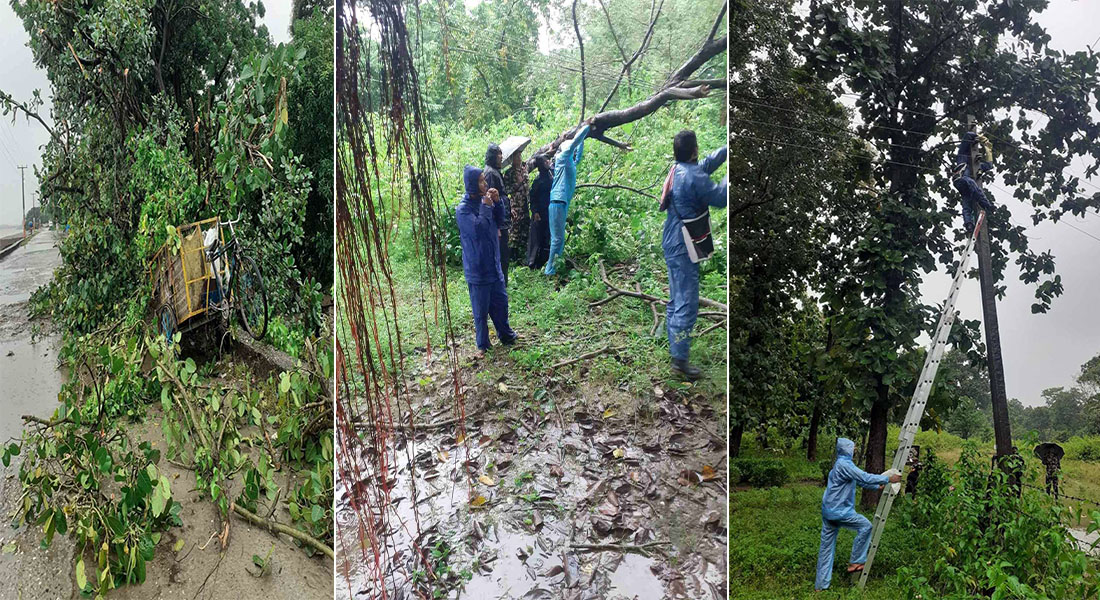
(920, 398)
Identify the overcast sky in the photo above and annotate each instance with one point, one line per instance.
(1046, 350)
(21, 142)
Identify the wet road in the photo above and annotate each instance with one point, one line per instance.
(28, 368)
(29, 384)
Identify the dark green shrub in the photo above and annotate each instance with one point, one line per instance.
(760, 472)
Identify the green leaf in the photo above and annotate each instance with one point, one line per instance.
(317, 513)
(161, 494)
(81, 576)
(179, 545)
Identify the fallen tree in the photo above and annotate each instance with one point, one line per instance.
(678, 86)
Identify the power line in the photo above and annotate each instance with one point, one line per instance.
(823, 149)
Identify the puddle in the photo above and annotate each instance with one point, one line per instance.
(567, 494)
(634, 579)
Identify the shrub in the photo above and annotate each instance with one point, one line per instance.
(735, 472)
(825, 466)
(760, 472)
(1083, 448)
(995, 543)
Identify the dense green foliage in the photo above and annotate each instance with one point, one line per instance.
(168, 113)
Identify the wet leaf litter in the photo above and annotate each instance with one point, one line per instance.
(560, 492)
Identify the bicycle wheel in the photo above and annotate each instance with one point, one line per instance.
(166, 322)
(250, 297)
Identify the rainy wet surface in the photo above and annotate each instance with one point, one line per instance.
(31, 381)
(580, 494)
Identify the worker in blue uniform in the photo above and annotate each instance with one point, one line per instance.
(973, 197)
(691, 194)
(479, 215)
(561, 192)
(838, 509)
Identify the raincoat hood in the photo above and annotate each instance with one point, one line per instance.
(845, 447)
(491, 156)
(470, 177)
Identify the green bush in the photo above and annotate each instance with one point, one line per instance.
(760, 472)
(735, 472)
(1083, 448)
(825, 466)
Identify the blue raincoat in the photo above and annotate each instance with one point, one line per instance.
(478, 230)
(963, 180)
(561, 193)
(692, 194)
(838, 509)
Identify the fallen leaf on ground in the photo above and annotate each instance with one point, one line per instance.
(487, 480)
(708, 473)
(618, 453)
(479, 501)
(609, 413)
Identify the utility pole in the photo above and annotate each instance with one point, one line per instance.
(23, 215)
(1001, 428)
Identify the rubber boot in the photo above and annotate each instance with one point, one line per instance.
(686, 368)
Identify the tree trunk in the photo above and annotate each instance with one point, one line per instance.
(876, 443)
(735, 440)
(811, 440)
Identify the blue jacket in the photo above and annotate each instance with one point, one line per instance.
(565, 168)
(478, 230)
(839, 499)
(692, 193)
(962, 157)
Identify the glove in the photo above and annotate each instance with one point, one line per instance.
(894, 487)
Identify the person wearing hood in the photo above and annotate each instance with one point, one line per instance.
(493, 164)
(561, 192)
(478, 216)
(538, 236)
(690, 194)
(962, 178)
(838, 509)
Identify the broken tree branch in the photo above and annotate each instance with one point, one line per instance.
(627, 64)
(615, 186)
(674, 89)
(617, 291)
(643, 549)
(611, 28)
(276, 527)
(586, 356)
(584, 83)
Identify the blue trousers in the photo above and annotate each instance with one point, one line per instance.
(557, 234)
(972, 198)
(829, 529)
(683, 304)
(490, 301)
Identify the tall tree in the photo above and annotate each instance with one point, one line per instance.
(792, 169)
(917, 67)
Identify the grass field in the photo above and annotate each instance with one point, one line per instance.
(775, 533)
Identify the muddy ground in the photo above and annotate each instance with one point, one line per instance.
(583, 493)
(31, 381)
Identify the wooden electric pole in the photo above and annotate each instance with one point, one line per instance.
(1002, 430)
(23, 215)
